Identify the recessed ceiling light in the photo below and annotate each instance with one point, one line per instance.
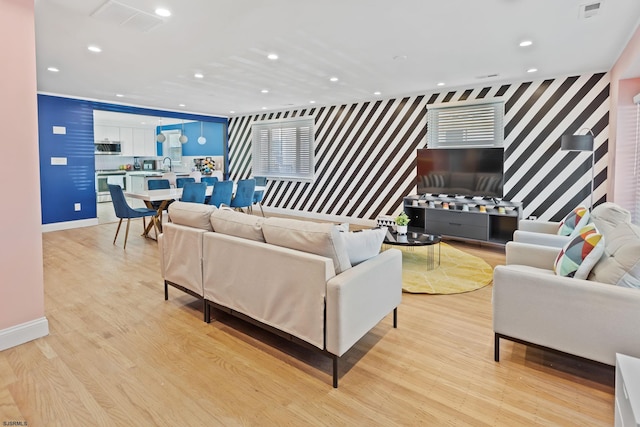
(198, 76)
(265, 91)
(143, 123)
(163, 12)
(376, 93)
(119, 95)
(264, 108)
(232, 112)
(94, 48)
(181, 105)
(532, 70)
(312, 102)
(525, 43)
(333, 79)
(441, 84)
(272, 56)
(53, 69)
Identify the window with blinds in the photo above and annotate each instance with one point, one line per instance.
(284, 149)
(465, 125)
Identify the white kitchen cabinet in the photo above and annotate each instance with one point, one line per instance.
(150, 142)
(138, 142)
(137, 183)
(106, 133)
(144, 142)
(126, 142)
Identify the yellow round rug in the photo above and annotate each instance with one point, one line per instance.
(458, 271)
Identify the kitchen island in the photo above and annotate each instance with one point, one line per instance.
(138, 180)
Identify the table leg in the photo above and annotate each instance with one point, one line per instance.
(430, 257)
(157, 219)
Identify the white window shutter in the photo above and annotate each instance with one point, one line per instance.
(465, 125)
(283, 149)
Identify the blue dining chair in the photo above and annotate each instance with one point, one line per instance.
(158, 184)
(222, 193)
(210, 180)
(244, 194)
(258, 195)
(180, 182)
(194, 192)
(123, 210)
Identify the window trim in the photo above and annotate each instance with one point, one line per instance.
(258, 166)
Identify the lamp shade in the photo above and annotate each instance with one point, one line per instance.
(576, 143)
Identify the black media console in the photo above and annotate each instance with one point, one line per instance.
(475, 219)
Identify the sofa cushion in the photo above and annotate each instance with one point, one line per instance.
(575, 220)
(191, 214)
(580, 254)
(364, 244)
(237, 224)
(620, 264)
(312, 237)
(607, 216)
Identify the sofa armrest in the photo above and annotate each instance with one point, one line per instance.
(531, 255)
(181, 254)
(359, 298)
(544, 239)
(160, 251)
(580, 317)
(537, 226)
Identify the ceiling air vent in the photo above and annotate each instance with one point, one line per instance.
(487, 76)
(126, 16)
(589, 10)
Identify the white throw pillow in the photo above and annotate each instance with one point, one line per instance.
(364, 244)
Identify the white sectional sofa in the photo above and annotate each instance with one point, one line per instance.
(292, 277)
(593, 318)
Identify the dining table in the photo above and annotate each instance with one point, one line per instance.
(164, 196)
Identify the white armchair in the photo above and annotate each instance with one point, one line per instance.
(594, 318)
(585, 318)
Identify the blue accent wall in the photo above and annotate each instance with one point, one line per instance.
(62, 186)
(215, 133)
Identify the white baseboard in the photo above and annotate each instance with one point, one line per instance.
(313, 215)
(69, 224)
(23, 333)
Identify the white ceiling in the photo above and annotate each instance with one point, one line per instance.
(396, 47)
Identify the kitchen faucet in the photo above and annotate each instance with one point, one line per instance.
(169, 162)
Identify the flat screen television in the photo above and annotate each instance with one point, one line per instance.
(461, 171)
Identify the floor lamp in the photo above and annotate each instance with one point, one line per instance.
(581, 143)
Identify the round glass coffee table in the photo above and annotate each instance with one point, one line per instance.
(413, 239)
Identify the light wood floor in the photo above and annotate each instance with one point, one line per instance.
(119, 355)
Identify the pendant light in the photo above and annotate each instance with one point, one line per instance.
(160, 137)
(202, 140)
(183, 138)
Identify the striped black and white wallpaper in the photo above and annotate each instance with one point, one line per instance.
(366, 152)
